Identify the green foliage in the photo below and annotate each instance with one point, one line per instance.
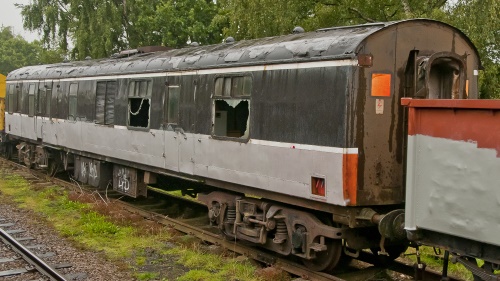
(206, 266)
(260, 18)
(101, 28)
(15, 52)
(479, 20)
(146, 276)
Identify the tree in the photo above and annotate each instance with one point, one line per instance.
(101, 28)
(479, 20)
(15, 52)
(249, 19)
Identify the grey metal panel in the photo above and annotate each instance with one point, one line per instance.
(171, 150)
(28, 129)
(13, 124)
(122, 143)
(187, 153)
(270, 166)
(453, 188)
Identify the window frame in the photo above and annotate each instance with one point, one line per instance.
(246, 96)
(11, 101)
(73, 96)
(105, 102)
(147, 96)
(32, 99)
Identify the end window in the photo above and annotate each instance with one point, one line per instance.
(139, 97)
(232, 106)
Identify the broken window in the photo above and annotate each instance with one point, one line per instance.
(232, 106)
(139, 96)
(73, 91)
(105, 102)
(439, 77)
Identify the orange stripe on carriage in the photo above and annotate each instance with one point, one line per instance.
(350, 178)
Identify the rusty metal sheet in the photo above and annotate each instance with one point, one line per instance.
(127, 181)
(100, 174)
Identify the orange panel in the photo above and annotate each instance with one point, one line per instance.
(350, 177)
(381, 85)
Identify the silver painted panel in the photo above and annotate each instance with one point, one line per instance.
(280, 169)
(137, 146)
(171, 150)
(13, 124)
(186, 153)
(28, 126)
(273, 166)
(453, 188)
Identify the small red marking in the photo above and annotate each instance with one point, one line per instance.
(293, 146)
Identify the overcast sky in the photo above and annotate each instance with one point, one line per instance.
(11, 16)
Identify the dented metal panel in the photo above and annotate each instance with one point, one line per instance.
(453, 164)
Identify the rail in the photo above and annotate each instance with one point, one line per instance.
(30, 258)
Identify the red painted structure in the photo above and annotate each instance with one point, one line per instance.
(461, 120)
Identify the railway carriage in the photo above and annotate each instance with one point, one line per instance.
(308, 124)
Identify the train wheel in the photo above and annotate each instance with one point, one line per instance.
(326, 260)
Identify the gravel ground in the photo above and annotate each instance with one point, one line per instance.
(88, 265)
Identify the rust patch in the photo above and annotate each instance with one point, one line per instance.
(350, 176)
(476, 121)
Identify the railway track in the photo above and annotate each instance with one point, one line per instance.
(18, 260)
(192, 226)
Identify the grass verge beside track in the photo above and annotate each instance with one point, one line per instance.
(149, 250)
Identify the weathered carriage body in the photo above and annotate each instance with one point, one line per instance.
(311, 120)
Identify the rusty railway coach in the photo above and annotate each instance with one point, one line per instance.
(309, 124)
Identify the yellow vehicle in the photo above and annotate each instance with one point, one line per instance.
(2, 106)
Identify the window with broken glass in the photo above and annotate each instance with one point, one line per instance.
(232, 106)
(139, 97)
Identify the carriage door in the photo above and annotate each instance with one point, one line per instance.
(439, 76)
(43, 96)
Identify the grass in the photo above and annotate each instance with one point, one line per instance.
(95, 225)
(144, 246)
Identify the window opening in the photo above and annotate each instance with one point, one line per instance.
(73, 94)
(31, 100)
(232, 106)
(139, 103)
(105, 102)
(231, 118)
(444, 79)
(440, 78)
